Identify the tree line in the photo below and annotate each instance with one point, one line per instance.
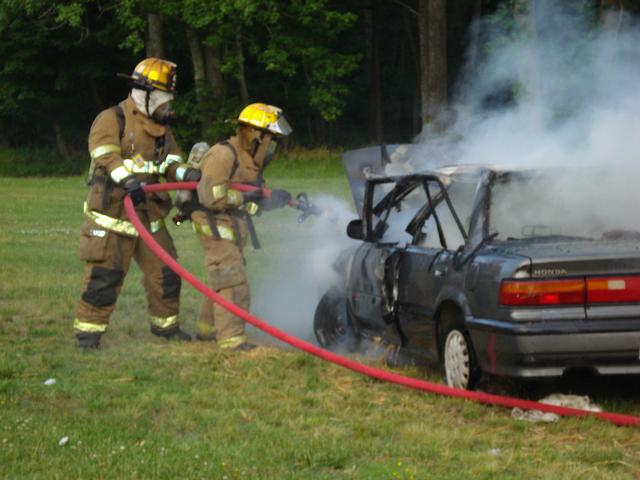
(347, 73)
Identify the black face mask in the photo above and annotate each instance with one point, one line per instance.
(261, 149)
(272, 150)
(255, 143)
(163, 114)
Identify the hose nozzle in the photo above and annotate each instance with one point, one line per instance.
(307, 207)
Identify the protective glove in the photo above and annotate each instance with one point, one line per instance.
(279, 198)
(251, 200)
(192, 175)
(254, 196)
(133, 187)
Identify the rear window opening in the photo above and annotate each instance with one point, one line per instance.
(559, 206)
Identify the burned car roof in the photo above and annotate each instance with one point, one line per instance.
(396, 161)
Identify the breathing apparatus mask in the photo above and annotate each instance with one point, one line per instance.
(155, 104)
(163, 114)
(264, 144)
(271, 150)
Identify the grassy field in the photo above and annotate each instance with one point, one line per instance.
(144, 408)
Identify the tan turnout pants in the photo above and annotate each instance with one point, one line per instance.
(108, 256)
(227, 276)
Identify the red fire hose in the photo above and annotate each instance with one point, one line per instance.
(481, 397)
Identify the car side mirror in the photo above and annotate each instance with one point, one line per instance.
(355, 229)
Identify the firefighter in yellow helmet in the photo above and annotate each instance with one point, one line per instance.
(131, 145)
(223, 219)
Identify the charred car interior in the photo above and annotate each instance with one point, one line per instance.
(482, 269)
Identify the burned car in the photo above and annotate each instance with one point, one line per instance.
(518, 272)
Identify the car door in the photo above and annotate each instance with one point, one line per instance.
(370, 296)
(388, 209)
(426, 265)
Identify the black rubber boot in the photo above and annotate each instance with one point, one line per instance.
(88, 339)
(205, 338)
(244, 347)
(173, 334)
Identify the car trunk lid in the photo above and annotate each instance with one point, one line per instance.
(611, 273)
(568, 259)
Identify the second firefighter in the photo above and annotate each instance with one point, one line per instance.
(223, 220)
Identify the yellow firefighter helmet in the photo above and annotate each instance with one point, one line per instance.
(155, 73)
(265, 117)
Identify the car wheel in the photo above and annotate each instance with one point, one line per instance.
(331, 323)
(458, 357)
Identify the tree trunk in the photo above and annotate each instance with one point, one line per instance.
(155, 36)
(4, 135)
(197, 60)
(433, 64)
(373, 68)
(61, 144)
(244, 92)
(531, 17)
(93, 88)
(215, 86)
(410, 31)
(213, 71)
(474, 35)
(611, 14)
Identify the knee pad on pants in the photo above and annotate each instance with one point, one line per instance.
(171, 283)
(226, 277)
(102, 289)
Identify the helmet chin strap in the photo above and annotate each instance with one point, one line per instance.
(261, 147)
(142, 100)
(146, 103)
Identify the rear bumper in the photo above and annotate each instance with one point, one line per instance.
(546, 349)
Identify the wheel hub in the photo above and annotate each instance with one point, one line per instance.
(456, 360)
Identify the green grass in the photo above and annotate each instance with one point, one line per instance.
(145, 408)
(297, 163)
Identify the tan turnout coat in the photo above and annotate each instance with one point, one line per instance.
(218, 173)
(138, 146)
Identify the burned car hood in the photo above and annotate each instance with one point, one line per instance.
(389, 160)
(567, 258)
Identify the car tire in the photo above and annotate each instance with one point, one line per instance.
(331, 324)
(458, 358)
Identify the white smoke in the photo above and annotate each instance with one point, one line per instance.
(559, 90)
(288, 291)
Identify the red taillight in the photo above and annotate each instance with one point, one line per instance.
(575, 291)
(542, 292)
(625, 289)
